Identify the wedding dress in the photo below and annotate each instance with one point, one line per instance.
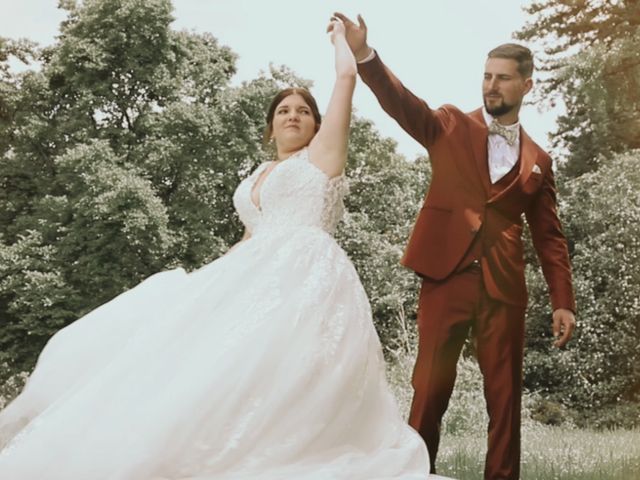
(263, 364)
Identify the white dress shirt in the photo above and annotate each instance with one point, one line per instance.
(502, 156)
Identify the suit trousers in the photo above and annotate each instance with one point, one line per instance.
(446, 312)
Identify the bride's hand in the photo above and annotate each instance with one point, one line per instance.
(336, 28)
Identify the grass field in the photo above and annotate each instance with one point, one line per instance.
(551, 453)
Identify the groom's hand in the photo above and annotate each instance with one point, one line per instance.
(356, 35)
(564, 323)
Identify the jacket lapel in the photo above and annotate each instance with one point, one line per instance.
(479, 141)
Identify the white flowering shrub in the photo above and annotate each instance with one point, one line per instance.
(598, 374)
(10, 388)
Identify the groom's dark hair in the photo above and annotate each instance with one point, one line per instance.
(516, 52)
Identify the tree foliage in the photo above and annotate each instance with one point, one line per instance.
(115, 162)
(567, 23)
(601, 92)
(591, 51)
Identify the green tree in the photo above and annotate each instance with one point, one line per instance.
(600, 88)
(111, 163)
(567, 23)
(590, 55)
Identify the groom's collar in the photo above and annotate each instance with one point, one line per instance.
(488, 119)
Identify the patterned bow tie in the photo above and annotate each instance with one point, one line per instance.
(510, 135)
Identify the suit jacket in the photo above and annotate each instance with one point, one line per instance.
(460, 206)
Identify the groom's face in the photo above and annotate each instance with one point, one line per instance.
(503, 88)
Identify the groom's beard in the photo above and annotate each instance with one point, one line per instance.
(500, 109)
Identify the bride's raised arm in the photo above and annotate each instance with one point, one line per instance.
(328, 149)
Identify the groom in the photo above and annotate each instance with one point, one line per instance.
(466, 243)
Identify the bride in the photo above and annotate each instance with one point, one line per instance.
(263, 364)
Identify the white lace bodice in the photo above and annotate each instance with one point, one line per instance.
(295, 193)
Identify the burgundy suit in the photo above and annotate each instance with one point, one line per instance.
(467, 246)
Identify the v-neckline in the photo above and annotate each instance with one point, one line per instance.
(258, 192)
(258, 206)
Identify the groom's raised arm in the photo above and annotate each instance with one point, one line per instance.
(412, 113)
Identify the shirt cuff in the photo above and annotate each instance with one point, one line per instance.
(368, 58)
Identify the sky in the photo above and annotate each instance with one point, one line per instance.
(436, 47)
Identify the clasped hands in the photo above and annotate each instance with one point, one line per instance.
(356, 35)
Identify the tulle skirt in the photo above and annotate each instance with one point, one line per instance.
(263, 364)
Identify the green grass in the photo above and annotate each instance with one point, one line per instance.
(551, 453)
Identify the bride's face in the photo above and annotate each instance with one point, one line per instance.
(293, 123)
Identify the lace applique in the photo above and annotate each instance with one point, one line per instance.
(333, 212)
(295, 193)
